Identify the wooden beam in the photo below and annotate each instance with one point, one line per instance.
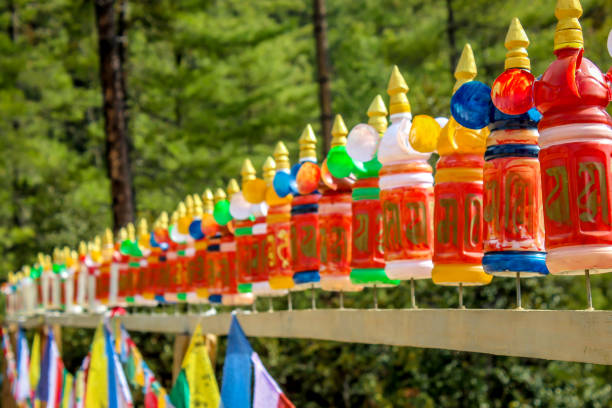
(581, 336)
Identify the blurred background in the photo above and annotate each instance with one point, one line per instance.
(199, 85)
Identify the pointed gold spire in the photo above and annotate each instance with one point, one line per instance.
(57, 255)
(232, 188)
(339, 132)
(198, 206)
(397, 90)
(269, 170)
(131, 231)
(143, 227)
(208, 201)
(108, 239)
(220, 195)
(189, 204)
(163, 220)
(281, 157)
(308, 143)
(82, 248)
(466, 67)
(248, 171)
(66, 254)
(122, 236)
(377, 112)
(181, 209)
(174, 218)
(516, 43)
(568, 33)
(40, 257)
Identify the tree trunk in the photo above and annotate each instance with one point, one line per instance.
(451, 29)
(113, 93)
(323, 74)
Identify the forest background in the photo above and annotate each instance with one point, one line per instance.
(211, 82)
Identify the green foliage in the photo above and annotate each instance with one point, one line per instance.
(210, 82)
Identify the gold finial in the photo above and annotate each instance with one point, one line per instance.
(568, 33)
(163, 220)
(339, 132)
(466, 67)
(397, 90)
(174, 218)
(123, 235)
(131, 231)
(269, 170)
(68, 259)
(232, 188)
(82, 248)
(143, 233)
(220, 195)
(181, 209)
(190, 205)
(27, 271)
(98, 241)
(108, 240)
(308, 143)
(48, 262)
(377, 112)
(198, 207)
(41, 259)
(66, 253)
(208, 201)
(74, 255)
(57, 255)
(143, 227)
(248, 171)
(516, 43)
(281, 157)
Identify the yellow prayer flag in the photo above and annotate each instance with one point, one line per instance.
(97, 377)
(35, 362)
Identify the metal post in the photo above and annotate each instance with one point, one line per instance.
(270, 306)
(412, 296)
(519, 303)
(341, 299)
(314, 302)
(375, 298)
(587, 275)
(254, 305)
(289, 301)
(461, 296)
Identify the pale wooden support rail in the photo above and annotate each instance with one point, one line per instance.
(565, 335)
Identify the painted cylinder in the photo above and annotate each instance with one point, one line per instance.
(367, 258)
(244, 251)
(458, 196)
(514, 227)
(576, 146)
(305, 238)
(278, 247)
(335, 229)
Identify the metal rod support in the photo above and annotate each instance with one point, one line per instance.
(412, 295)
(375, 298)
(587, 275)
(519, 302)
(313, 299)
